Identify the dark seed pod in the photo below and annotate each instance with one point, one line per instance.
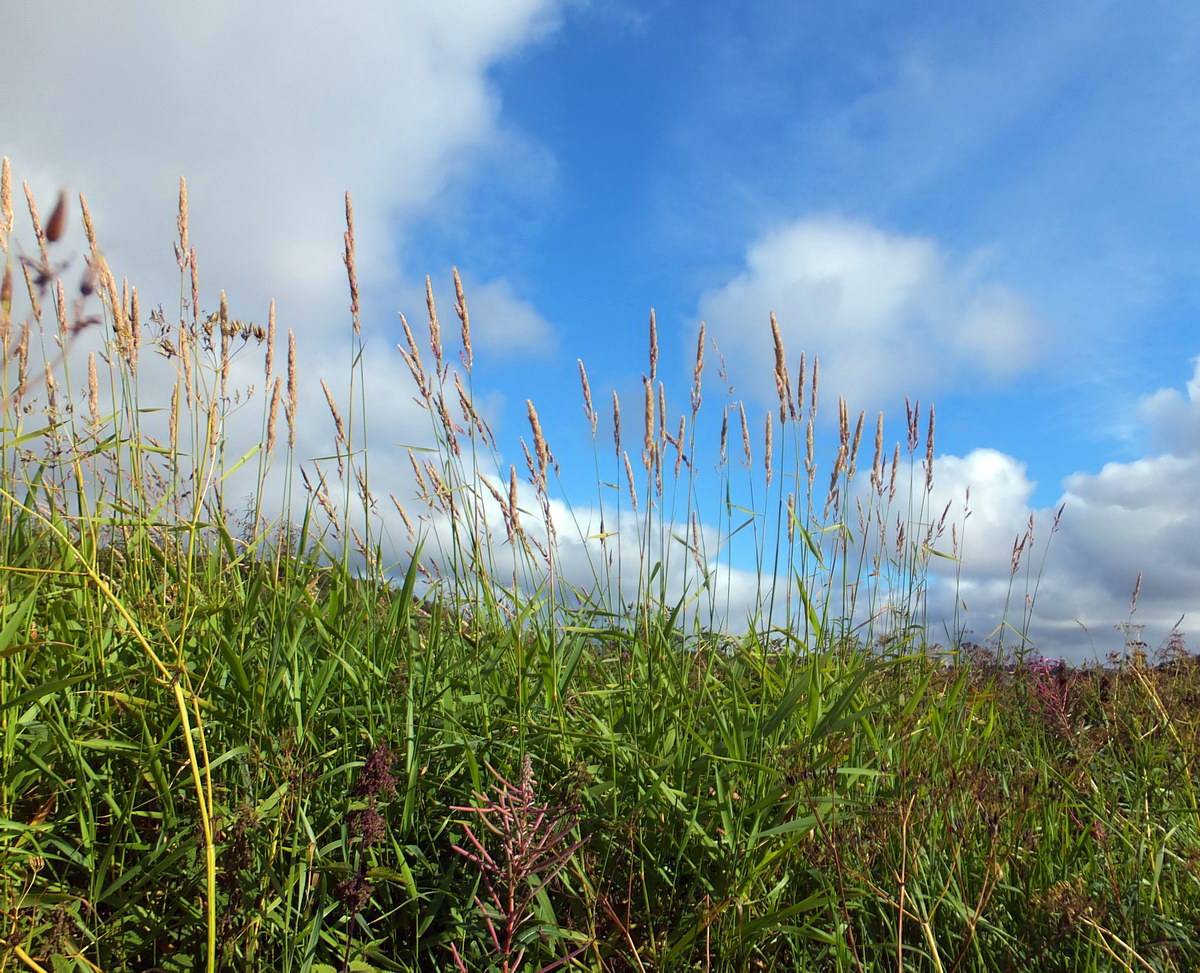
(58, 219)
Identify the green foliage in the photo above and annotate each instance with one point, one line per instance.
(249, 750)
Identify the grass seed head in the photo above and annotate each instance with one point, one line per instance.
(648, 437)
(767, 452)
(6, 208)
(270, 356)
(745, 433)
(929, 453)
(616, 422)
(38, 231)
(539, 442)
(183, 252)
(351, 270)
(633, 497)
(587, 397)
(89, 230)
(94, 393)
(460, 308)
(653, 346)
(435, 328)
(293, 392)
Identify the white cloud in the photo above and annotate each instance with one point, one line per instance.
(887, 314)
(1128, 518)
(504, 324)
(1173, 418)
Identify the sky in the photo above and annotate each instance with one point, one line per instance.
(991, 207)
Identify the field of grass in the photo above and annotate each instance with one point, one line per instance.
(287, 739)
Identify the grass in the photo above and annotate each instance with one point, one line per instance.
(247, 741)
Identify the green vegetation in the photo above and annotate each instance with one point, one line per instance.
(244, 742)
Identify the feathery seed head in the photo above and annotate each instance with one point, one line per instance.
(587, 397)
(460, 308)
(653, 347)
(184, 253)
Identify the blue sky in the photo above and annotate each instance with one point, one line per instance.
(989, 206)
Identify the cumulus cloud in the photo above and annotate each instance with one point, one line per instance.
(886, 313)
(1172, 418)
(504, 324)
(1128, 519)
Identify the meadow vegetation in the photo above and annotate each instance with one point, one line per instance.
(351, 732)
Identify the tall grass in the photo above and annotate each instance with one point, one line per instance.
(253, 742)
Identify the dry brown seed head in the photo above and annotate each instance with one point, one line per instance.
(724, 432)
(32, 290)
(679, 445)
(791, 520)
(270, 360)
(745, 433)
(351, 271)
(633, 498)
(60, 295)
(653, 347)
(1018, 548)
(337, 419)
(293, 391)
(174, 424)
(403, 516)
(662, 412)
(214, 425)
(698, 371)
(135, 333)
(6, 297)
(514, 512)
(194, 272)
(38, 231)
(181, 224)
(648, 437)
(800, 379)
(877, 462)
(451, 430)
(460, 308)
(767, 453)
(616, 422)
(464, 402)
(273, 415)
(892, 481)
(6, 209)
(587, 397)
(696, 541)
(1137, 590)
(51, 390)
(858, 430)
(435, 328)
(539, 441)
(420, 477)
(22, 364)
(816, 373)
(94, 391)
(89, 230)
(929, 454)
(58, 219)
(783, 382)
(913, 416)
